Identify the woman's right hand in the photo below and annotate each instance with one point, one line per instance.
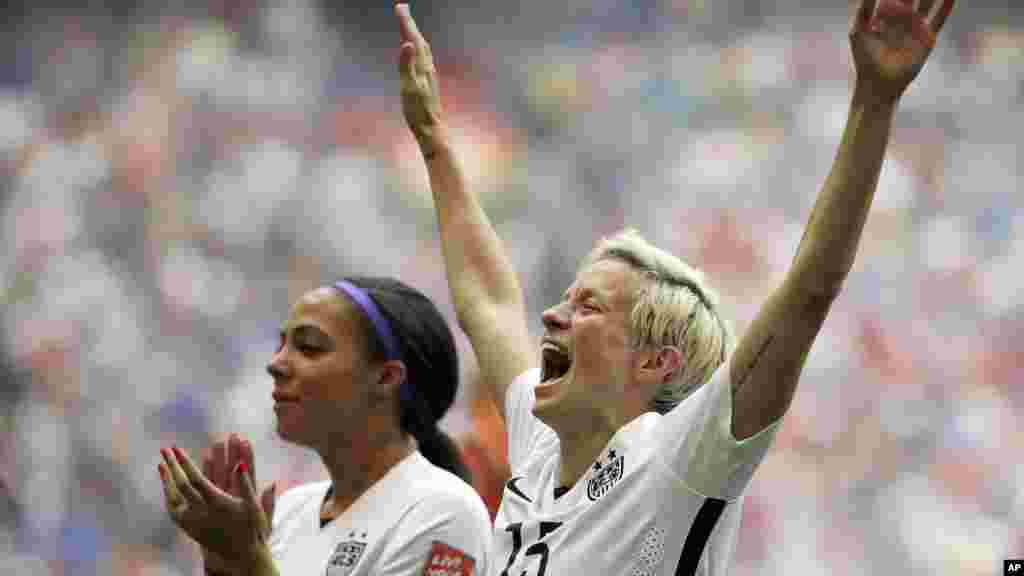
(421, 96)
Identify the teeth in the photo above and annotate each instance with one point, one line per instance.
(555, 362)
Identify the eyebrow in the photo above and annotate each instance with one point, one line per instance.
(589, 292)
(306, 330)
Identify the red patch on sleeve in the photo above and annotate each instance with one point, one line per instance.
(445, 560)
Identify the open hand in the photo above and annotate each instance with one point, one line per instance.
(891, 45)
(421, 97)
(232, 527)
(219, 462)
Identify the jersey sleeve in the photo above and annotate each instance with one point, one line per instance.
(697, 438)
(440, 536)
(525, 432)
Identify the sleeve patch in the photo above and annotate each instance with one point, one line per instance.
(446, 560)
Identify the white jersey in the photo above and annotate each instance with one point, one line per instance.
(662, 499)
(417, 520)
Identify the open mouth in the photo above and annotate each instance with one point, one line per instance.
(555, 362)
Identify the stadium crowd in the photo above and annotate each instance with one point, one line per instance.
(173, 175)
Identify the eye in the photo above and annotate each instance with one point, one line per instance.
(307, 348)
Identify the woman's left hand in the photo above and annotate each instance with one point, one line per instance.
(230, 526)
(892, 43)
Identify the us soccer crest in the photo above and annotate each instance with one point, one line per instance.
(605, 476)
(346, 555)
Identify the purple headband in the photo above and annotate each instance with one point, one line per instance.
(380, 323)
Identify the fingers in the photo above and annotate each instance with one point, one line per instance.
(220, 467)
(193, 477)
(246, 455)
(179, 479)
(172, 498)
(234, 457)
(898, 15)
(406, 57)
(268, 499)
(865, 13)
(940, 18)
(234, 450)
(896, 9)
(245, 479)
(208, 463)
(415, 51)
(410, 32)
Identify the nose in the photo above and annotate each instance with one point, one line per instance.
(555, 317)
(278, 366)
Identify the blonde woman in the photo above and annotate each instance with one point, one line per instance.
(636, 426)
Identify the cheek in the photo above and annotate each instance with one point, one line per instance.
(328, 384)
(605, 347)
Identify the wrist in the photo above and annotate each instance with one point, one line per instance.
(867, 98)
(433, 141)
(260, 562)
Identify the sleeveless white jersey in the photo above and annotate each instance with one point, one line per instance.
(663, 498)
(417, 520)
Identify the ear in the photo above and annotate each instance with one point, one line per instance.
(656, 366)
(387, 378)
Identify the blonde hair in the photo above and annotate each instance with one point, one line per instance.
(676, 307)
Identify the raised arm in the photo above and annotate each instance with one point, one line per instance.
(889, 49)
(484, 289)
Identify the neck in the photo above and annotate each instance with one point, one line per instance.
(580, 445)
(356, 464)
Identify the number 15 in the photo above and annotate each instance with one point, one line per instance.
(536, 549)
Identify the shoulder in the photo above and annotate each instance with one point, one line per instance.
(437, 489)
(294, 500)
(442, 518)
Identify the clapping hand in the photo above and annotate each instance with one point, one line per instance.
(218, 463)
(227, 520)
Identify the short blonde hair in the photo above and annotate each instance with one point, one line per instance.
(676, 307)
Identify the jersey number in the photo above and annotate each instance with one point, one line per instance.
(538, 548)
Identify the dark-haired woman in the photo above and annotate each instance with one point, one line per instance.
(364, 370)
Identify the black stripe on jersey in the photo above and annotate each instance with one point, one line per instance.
(511, 485)
(693, 548)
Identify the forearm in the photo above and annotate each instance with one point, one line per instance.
(478, 267)
(768, 359)
(829, 245)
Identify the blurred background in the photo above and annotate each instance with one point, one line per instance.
(173, 174)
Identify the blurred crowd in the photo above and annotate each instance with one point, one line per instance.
(173, 175)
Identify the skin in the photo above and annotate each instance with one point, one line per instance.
(320, 371)
(890, 46)
(609, 381)
(890, 42)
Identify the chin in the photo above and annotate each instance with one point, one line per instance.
(290, 435)
(550, 407)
